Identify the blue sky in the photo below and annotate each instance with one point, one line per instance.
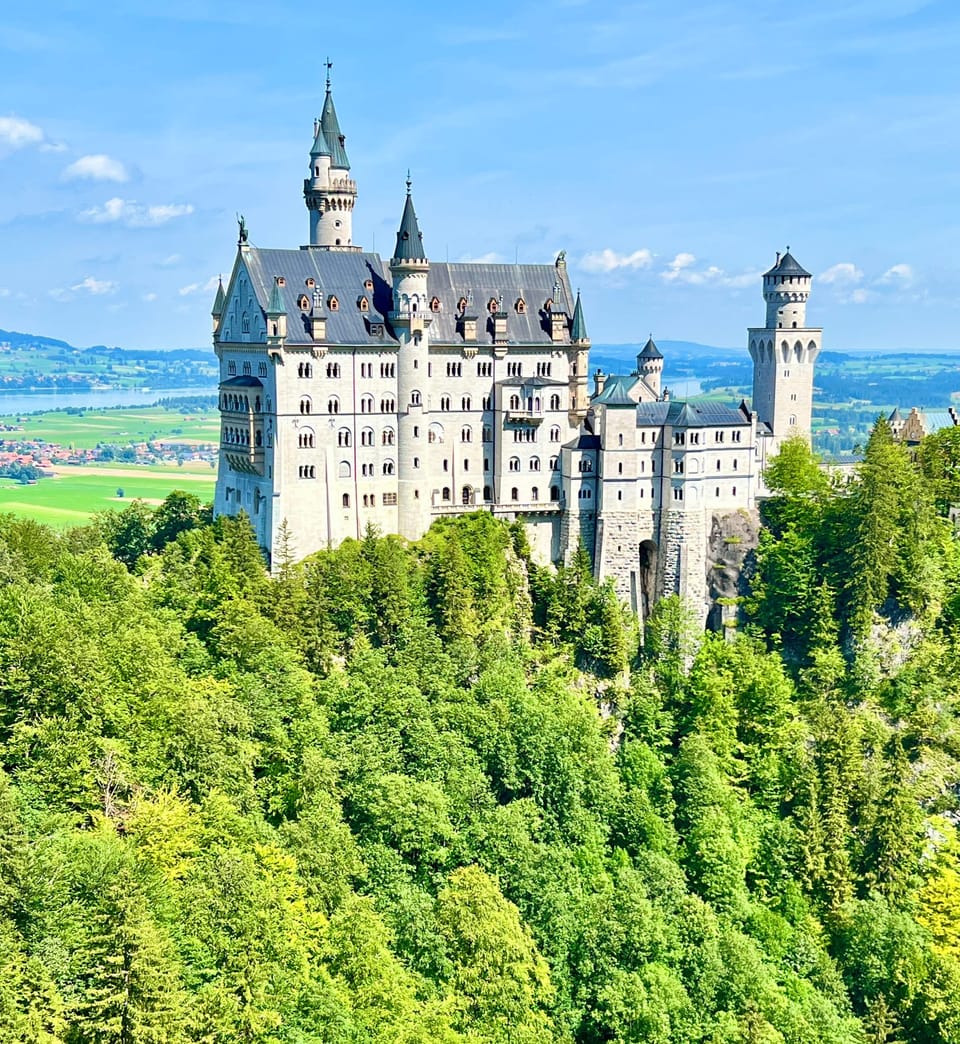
(669, 148)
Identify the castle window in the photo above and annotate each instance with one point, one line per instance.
(678, 465)
(247, 369)
(388, 437)
(793, 397)
(435, 304)
(555, 433)
(445, 495)
(344, 437)
(719, 468)
(303, 302)
(232, 369)
(520, 305)
(343, 469)
(585, 494)
(620, 469)
(346, 500)
(367, 437)
(307, 471)
(555, 494)
(734, 491)
(554, 402)
(333, 369)
(466, 463)
(466, 434)
(534, 463)
(245, 323)
(333, 304)
(366, 403)
(416, 462)
(307, 440)
(486, 435)
(484, 369)
(445, 402)
(389, 499)
(514, 402)
(262, 369)
(586, 464)
(679, 438)
(487, 402)
(718, 436)
(535, 493)
(620, 439)
(465, 403)
(792, 420)
(544, 369)
(514, 369)
(554, 461)
(305, 369)
(619, 494)
(735, 436)
(363, 304)
(514, 463)
(333, 404)
(678, 492)
(454, 369)
(486, 463)
(486, 492)
(388, 467)
(435, 432)
(388, 369)
(786, 373)
(514, 493)
(694, 438)
(305, 404)
(415, 398)
(446, 464)
(462, 305)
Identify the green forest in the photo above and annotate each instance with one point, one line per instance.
(433, 792)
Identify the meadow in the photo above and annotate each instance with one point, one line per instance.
(85, 429)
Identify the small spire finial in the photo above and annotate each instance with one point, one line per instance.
(788, 248)
(329, 66)
(409, 181)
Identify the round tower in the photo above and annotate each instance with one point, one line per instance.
(329, 192)
(650, 366)
(786, 288)
(410, 319)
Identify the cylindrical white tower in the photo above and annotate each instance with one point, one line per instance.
(329, 192)
(410, 320)
(786, 288)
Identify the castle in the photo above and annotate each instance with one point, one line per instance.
(358, 391)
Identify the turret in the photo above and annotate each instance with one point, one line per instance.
(784, 352)
(650, 366)
(217, 311)
(276, 314)
(410, 319)
(329, 192)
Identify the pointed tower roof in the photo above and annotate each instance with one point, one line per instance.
(650, 351)
(788, 265)
(275, 307)
(219, 300)
(330, 126)
(578, 329)
(409, 237)
(320, 147)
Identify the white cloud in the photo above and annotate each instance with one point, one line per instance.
(859, 296)
(675, 269)
(149, 297)
(843, 274)
(16, 133)
(95, 286)
(897, 275)
(681, 270)
(492, 258)
(200, 288)
(97, 168)
(171, 259)
(133, 214)
(608, 260)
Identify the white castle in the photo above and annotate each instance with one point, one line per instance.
(357, 391)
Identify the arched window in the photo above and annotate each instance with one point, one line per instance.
(247, 370)
(333, 404)
(620, 439)
(554, 402)
(486, 492)
(435, 432)
(344, 437)
(466, 495)
(555, 433)
(366, 403)
(415, 398)
(586, 464)
(465, 403)
(333, 369)
(487, 434)
(305, 369)
(445, 495)
(445, 402)
(346, 500)
(388, 437)
(535, 493)
(366, 437)
(466, 434)
(305, 404)
(554, 461)
(514, 493)
(245, 323)
(555, 493)
(306, 438)
(388, 467)
(388, 406)
(534, 463)
(514, 463)
(344, 470)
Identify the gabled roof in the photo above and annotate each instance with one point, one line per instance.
(409, 237)
(330, 126)
(578, 329)
(788, 265)
(530, 382)
(616, 392)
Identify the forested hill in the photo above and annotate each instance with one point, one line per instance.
(432, 793)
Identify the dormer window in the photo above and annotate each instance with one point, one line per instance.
(462, 305)
(368, 285)
(548, 305)
(281, 281)
(333, 304)
(363, 304)
(302, 303)
(521, 306)
(434, 304)
(493, 305)
(310, 282)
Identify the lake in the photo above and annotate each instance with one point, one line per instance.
(32, 402)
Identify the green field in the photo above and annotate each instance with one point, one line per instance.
(73, 498)
(122, 426)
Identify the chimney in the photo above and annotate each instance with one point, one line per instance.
(599, 380)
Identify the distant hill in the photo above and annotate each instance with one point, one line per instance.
(28, 340)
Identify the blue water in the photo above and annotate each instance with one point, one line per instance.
(31, 402)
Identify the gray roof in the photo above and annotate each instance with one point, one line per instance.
(578, 329)
(530, 382)
(584, 442)
(409, 237)
(219, 300)
(788, 265)
(334, 136)
(650, 351)
(682, 414)
(936, 420)
(342, 273)
(243, 381)
(616, 391)
(275, 305)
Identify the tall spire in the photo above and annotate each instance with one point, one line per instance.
(578, 329)
(330, 126)
(409, 237)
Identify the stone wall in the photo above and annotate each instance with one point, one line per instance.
(731, 547)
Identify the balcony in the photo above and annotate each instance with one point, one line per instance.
(524, 416)
(248, 459)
